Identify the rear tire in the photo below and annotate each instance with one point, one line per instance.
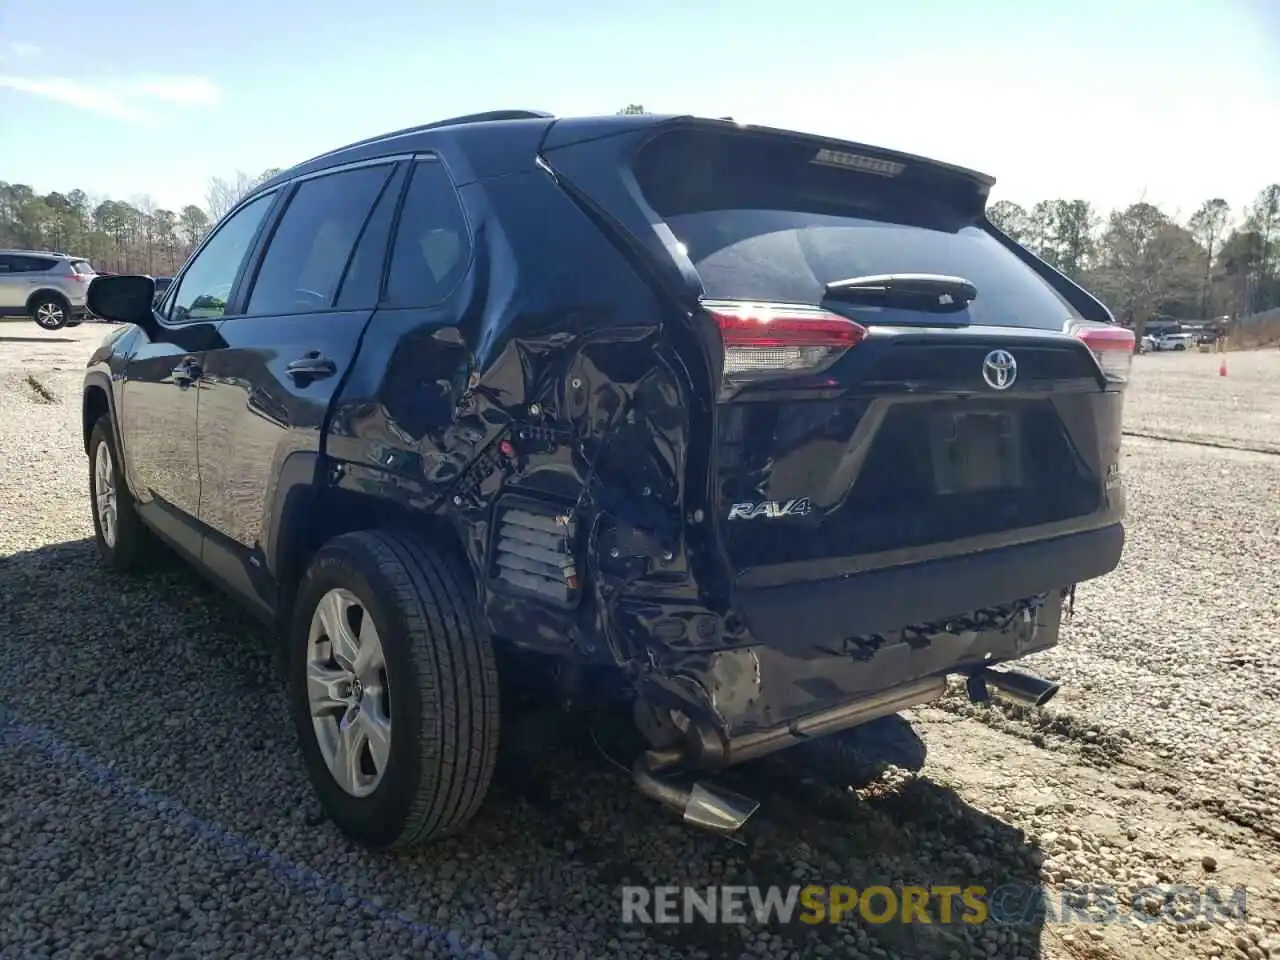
(123, 540)
(50, 312)
(409, 746)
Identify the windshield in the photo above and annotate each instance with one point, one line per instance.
(82, 267)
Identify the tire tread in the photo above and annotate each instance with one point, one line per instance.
(457, 680)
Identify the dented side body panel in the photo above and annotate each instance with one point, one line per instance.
(546, 382)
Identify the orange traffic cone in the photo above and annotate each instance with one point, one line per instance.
(1222, 368)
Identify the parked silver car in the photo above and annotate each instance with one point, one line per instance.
(50, 288)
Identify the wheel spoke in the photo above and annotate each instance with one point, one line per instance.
(333, 617)
(327, 689)
(368, 658)
(346, 756)
(376, 732)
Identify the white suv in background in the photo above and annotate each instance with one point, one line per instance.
(1175, 341)
(50, 288)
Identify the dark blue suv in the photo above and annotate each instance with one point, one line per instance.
(765, 433)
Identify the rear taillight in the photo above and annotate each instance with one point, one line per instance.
(1113, 349)
(767, 340)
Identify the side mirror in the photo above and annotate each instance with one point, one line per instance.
(125, 299)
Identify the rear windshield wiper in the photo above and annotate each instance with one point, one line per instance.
(931, 292)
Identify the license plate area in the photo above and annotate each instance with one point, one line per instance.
(975, 451)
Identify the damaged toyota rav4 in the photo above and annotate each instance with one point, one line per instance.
(774, 431)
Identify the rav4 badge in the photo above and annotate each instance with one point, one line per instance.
(771, 509)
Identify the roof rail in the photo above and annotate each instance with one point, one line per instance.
(486, 117)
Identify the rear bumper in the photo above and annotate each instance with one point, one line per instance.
(879, 601)
(815, 649)
(768, 692)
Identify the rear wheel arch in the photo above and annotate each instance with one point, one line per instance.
(309, 516)
(48, 293)
(95, 403)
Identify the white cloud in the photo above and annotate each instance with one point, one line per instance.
(133, 99)
(25, 50)
(184, 91)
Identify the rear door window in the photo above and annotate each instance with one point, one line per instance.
(29, 264)
(362, 286)
(774, 222)
(311, 246)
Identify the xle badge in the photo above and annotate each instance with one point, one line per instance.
(770, 509)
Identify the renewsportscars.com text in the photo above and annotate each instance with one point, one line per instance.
(974, 904)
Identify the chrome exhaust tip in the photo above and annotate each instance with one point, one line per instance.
(703, 804)
(1022, 688)
(718, 808)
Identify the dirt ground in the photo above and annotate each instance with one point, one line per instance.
(1154, 768)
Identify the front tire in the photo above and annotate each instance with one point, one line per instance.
(394, 690)
(50, 313)
(123, 540)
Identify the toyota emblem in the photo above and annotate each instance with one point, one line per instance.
(999, 369)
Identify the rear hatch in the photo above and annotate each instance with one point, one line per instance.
(895, 380)
(83, 273)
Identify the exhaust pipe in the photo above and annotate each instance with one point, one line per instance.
(705, 805)
(1023, 688)
(723, 811)
(707, 750)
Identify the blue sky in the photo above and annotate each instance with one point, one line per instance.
(1108, 100)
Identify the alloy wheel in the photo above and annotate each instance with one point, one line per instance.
(347, 692)
(50, 315)
(104, 493)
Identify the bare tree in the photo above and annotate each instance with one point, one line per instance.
(1040, 228)
(1073, 223)
(146, 208)
(194, 224)
(225, 194)
(1012, 219)
(1264, 219)
(1208, 225)
(1146, 260)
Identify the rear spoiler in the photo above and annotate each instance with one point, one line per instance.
(567, 132)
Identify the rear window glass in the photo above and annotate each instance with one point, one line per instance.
(431, 248)
(82, 266)
(762, 221)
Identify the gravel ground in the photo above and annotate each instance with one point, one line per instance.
(157, 807)
(1180, 395)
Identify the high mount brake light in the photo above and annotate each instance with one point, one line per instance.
(1113, 349)
(766, 340)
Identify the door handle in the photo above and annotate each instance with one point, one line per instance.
(312, 366)
(188, 371)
